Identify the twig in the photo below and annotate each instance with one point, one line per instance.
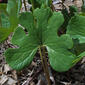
(25, 5)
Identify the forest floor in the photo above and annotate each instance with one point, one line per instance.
(34, 75)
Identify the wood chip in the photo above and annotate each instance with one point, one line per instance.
(3, 79)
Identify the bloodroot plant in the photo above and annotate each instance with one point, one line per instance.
(42, 26)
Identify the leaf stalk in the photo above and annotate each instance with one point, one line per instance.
(0, 21)
(44, 64)
(32, 3)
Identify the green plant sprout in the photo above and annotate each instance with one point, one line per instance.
(42, 26)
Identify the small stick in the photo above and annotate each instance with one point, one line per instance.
(25, 5)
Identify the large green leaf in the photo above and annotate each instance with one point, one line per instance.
(22, 56)
(28, 44)
(60, 56)
(42, 27)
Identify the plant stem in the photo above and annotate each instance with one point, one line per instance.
(45, 66)
(0, 21)
(25, 5)
(32, 2)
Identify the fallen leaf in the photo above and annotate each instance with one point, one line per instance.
(3, 79)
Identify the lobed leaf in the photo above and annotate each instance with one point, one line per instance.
(42, 27)
(24, 54)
